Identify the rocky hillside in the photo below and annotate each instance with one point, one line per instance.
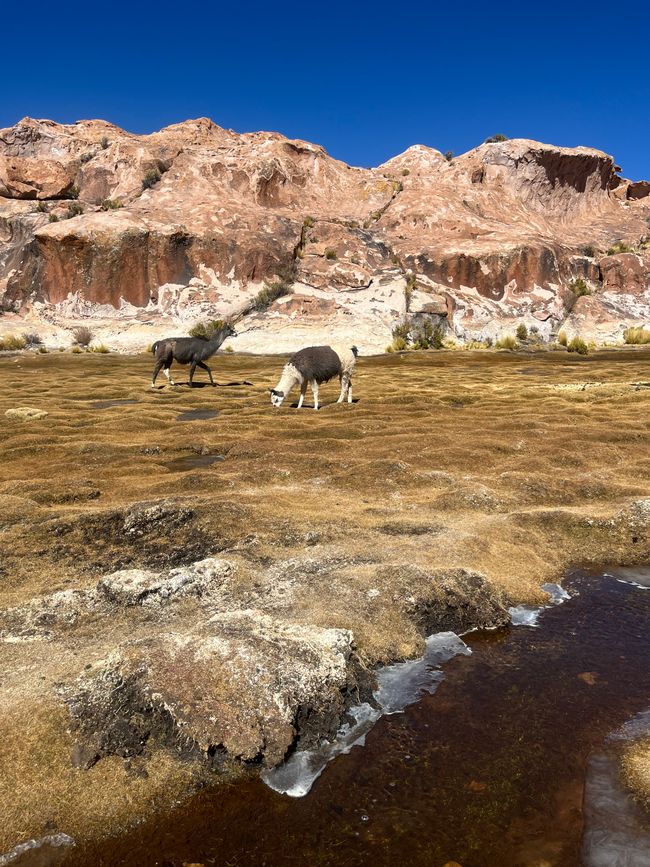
(139, 234)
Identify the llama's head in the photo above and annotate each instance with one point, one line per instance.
(276, 396)
(229, 331)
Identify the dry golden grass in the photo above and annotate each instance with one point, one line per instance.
(636, 769)
(511, 465)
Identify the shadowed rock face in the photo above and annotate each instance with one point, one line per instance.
(191, 220)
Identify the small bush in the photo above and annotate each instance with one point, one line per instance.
(589, 250)
(75, 210)
(411, 284)
(73, 192)
(76, 350)
(82, 336)
(100, 348)
(578, 345)
(522, 332)
(41, 208)
(111, 204)
(399, 344)
(637, 336)
(270, 293)
(449, 155)
(562, 338)
(31, 338)
(619, 247)
(42, 350)
(579, 287)
(508, 341)
(86, 158)
(53, 218)
(229, 348)
(104, 143)
(309, 222)
(496, 138)
(206, 329)
(405, 172)
(330, 254)
(13, 342)
(150, 179)
(352, 224)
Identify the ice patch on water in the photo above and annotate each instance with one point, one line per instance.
(48, 851)
(398, 686)
(616, 829)
(528, 615)
(637, 577)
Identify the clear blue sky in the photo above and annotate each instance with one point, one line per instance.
(366, 80)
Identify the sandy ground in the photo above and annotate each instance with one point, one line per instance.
(514, 466)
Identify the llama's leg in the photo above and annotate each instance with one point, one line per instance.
(343, 383)
(204, 366)
(303, 392)
(168, 375)
(192, 369)
(314, 388)
(156, 371)
(350, 391)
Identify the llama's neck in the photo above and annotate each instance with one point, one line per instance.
(290, 378)
(215, 342)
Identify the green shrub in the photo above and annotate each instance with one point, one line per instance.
(589, 250)
(86, 158)
(229, 348)
(562, 338)
(637, 336)
(104, 143)
(508, 341)
(406, 172)
(619, 247)
(99, 348)
(449, 155)
(12, 343)
(579, 287)
(82, 336)
(206, 329)
(496, 138)
(75, 210)
(76, 350)
(309, 222)
(53, 218)
(41, 208)
(73, 192)
(399, 344)
(409, 288)
(151, 178)
(578, 345)
(43, 350)
(522, 332)
(270, 293)
(330, 254)
(111, 204)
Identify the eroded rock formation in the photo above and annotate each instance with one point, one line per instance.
(139, 231)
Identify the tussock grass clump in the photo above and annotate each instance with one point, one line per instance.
(562, 338)
(496, 138)
(637, 336)
(407, 336)
(43, 350)
(619, 247)
(151, 178)
(100, 348)
(76, 350)
(206, 328)
(589, 250)
(309, 222)
(82, 336)
(86, 158)
(508, 341)
(12, 343)
(111, 204)
(577, 344)
(75, 210)
(270, 293)
(41, 208)
(522, 332)
(330, 254)
(104, 143)
(53, 218)
(405, 172)
(579, 287)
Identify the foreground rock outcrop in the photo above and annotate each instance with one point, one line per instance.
(141, 233)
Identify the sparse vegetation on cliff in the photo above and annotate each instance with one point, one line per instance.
(410, 336)
(151, 178)
(111, 204)
(75, 210)
(579, 287)
(507, 341)
(206, 329)
(270, 293)
(82, 336)
(330, 254)
(496, 138)
(577, 344)
(619, 247)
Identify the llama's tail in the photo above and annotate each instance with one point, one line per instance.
(154, 347)
(354, 351)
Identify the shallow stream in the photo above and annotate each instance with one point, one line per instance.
(487, 768)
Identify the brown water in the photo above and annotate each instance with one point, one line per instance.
(487, 771)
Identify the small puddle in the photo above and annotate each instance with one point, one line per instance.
(107, 404)
(484, 753)
(193, 462)
(197, 414)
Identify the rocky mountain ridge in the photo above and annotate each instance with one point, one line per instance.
(137, 234)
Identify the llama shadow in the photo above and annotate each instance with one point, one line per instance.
(216, 385)
(294, 405)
